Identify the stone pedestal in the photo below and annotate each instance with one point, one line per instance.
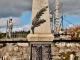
(40, 51)
(40, 37)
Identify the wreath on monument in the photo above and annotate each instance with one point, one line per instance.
(36, 20)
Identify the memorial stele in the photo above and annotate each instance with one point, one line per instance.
(40, 29)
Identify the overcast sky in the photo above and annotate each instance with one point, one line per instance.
(15, 9)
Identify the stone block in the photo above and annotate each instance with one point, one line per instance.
(22, 44)
(40, 37)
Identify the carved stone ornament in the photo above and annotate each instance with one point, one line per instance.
(37, 21)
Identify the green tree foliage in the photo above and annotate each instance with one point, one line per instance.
(20, 34)
(2, 35)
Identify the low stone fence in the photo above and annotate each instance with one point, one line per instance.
(15, 51)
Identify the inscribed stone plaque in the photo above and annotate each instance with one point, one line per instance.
(40, 52)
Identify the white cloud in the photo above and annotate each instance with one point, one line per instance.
(3, 30)
(70, 25)
(3, 22)
(17, 29)
(25, 28)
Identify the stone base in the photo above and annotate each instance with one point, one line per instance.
(40, 37)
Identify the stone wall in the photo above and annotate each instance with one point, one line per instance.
(20, 51)
(63, 50)
(14, 52)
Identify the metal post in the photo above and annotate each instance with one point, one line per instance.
(62, 17)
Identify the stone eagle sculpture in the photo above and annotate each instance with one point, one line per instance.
(36, 20)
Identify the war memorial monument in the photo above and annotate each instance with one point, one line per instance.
(40, 36)
(39, 43)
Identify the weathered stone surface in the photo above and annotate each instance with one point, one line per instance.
(22, 44)
(40, 37)
(36, 7)
(16, 48)
(56, 57)
(65, 49)
(22, 52)
(43, 31)
(14, 52)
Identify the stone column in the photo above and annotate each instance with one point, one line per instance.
(56, 17)
(40, 22)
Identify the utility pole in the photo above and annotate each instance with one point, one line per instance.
(56, 17)
(62, 18)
